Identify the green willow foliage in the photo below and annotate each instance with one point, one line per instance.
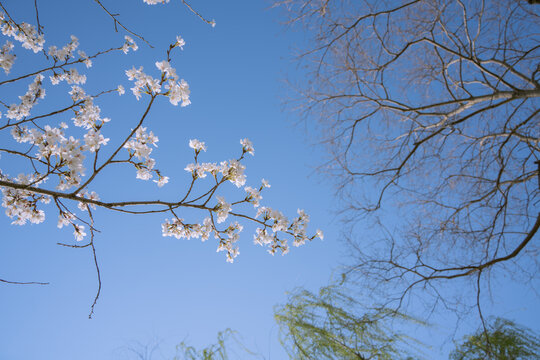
(224, 349)
(507, 341)
(326, 326)
(216, 351)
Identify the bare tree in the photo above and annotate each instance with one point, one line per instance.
(430, 112)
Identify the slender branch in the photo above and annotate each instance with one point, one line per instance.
(60, 66)
(23, 282)
(37, 18)
(120, 147)
(116, 22)
(482, 320)
(212, 22)
(98, 277)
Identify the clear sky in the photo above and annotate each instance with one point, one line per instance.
(157, 288)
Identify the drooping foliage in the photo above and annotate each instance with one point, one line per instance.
(333, 325)
(503, 340)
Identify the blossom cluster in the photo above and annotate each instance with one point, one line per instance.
(53, 145)
(83, 206)
(93, 140)
(66, 218)
(87, 115)
(178, 229)
(21, 205)
(228, 243)
(231, 170)
(227, 238)
(222, 209)
(6, 59)
(176, 90)
(139, 147)
(28, 100)
(25, 33)
(70, 76)
(253, 195)
(273, 221)
(129, 43)
(66, 52)
(179, 43)
(197, 145)
(143, 83)
(247, 146)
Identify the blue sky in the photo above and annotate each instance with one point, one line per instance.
(164, 289)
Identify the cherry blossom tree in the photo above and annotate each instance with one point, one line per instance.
(63, 148)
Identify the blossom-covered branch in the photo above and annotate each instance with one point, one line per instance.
(62, 156)
(68, 164)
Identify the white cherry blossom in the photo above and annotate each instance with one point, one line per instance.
(197, 145)
(129, 44)
(223, 209)
(247, 146)
(180, 43)
(6, 59)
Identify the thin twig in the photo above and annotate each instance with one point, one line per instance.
(116, 22)
(97, 267)
(485, 332)
(24, 282)
(213, 22)
(37, 18)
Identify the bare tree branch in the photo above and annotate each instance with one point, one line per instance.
(24, 282)
(430, 112)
